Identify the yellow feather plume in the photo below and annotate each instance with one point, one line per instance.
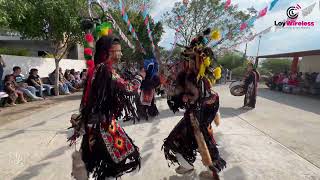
(215, 35)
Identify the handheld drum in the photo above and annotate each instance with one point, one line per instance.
(237, 88)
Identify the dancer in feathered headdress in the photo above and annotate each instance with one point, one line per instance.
(106, 149)
(193, 92)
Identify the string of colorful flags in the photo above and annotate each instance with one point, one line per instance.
(125, 17)
(104, 6)
(147, 24)
(250, 22)
(247, 24)
(305, 12)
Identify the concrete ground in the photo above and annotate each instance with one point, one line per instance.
(279, 140)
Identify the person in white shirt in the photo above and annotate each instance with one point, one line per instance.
(318, 78)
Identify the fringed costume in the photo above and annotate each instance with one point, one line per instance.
(193, 92)
(251, 88)
(147, 107)
(106, 149)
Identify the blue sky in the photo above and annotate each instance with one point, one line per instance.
(279, 41)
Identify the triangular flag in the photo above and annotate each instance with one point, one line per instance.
(263, 12)
(251, 21)
(273, 3)
(306, 11)
(228, 3)
(243, 26)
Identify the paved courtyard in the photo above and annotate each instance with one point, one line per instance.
(279, 140)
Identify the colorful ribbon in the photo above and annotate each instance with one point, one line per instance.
(115, 25)
(147, 24)
(125, 17)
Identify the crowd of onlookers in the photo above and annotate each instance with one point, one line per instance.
(21, 89)
(296, 82)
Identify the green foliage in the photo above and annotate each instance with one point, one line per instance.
(276, 65)
(264, 72)
(57, 21)
(3, 15)
(133, 5)
(14, 52)
(239, 71)
(54, 20)
(175, 54)
(202, 14)
(231, 61)
(138, 23)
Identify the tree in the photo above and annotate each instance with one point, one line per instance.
(57, 21)
(175, 54)
(137, 21)
(276, 65)
(231, 61)
(202, 14)
(3, 15)
(134, 5)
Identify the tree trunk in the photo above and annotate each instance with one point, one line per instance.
(56, 83)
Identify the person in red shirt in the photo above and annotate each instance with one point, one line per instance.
(293, 81)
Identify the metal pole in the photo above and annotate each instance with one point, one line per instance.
(245, 51)
(259, 46)
(257, 59)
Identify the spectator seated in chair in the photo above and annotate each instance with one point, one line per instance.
(35, 81)
(75, 76)
(12, 91)
(315, 86)
(65, 81)
(292, 86)
(83, 75)
(63, 87)
(30, 91)
(279, 82)
(69, 76)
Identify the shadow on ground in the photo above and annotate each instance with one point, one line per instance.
(15, 133)
(228, 112)
(31, 171)
(73, 97)
(163, 114)
(58, 152)
(306, 103)
(10, 114)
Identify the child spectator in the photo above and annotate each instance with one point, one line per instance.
(19, 81)
(12, 91)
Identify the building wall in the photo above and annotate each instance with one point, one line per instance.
(310, 64)
(33, 46)
(44, 65)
